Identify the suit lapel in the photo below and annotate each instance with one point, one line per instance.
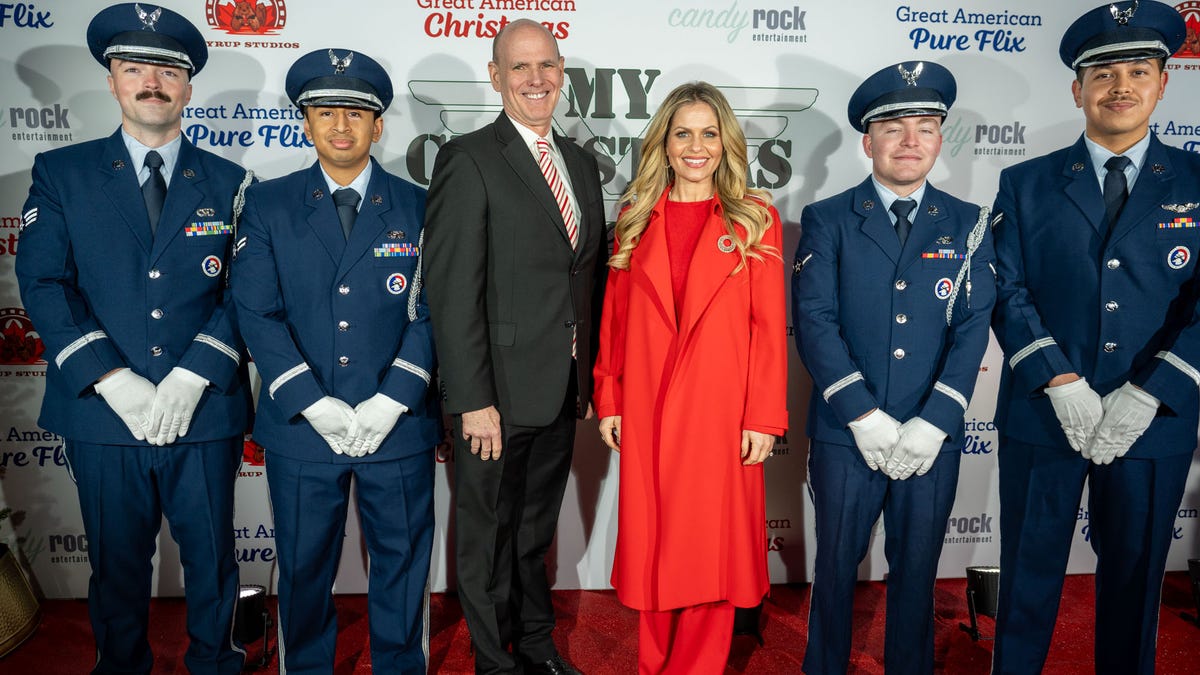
(183, 196)
(708, 271)
(123, 191)
(1149, 192)
(926, 220)
(521, 160)
(322, 214)
(652, 267)
(370, 221)
(876, 224)
(1082, 187)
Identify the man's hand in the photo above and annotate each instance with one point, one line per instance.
(374, 419)
(131, 397)
(1078, 409)
(920, 443)
(175, 400)
(331, 418)
(1128, 412)
(482, 429)
(876, 435)
(610, 432)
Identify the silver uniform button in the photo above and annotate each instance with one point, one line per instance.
(901, 318)
(901, 284)
(344, 289)
(1113, 264)
(154, 274)
(1111, 306)
(156, 351)
(343, 360)
(343, 326)
(156, 313)
(1110, 347)
(899, 353)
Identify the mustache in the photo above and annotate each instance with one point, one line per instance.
(152, 93)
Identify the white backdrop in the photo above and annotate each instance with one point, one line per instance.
(788, 67)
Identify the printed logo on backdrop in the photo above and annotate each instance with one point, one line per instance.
(484, 18)
(980, 437)
(1180, 134)
(21, 346)
(244, 125)
(32, 448)
(1083, 517)
(1004, 139)
(973, 528)
(1190, 11)
(253, 459)
(24, 15)
(961, 30)
(775, 540)
(249, 19)
(782, 25)
(254, 543)
(1184, 514)
(606, 110)
(61, 548)
(38, 123)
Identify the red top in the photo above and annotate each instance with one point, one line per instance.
(683, 222)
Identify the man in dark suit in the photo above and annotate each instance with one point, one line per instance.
(515, 261)
(1096, 246)
(122, 267)
(328, 287)
(892, 292)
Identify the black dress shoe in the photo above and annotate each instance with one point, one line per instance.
(556, 665)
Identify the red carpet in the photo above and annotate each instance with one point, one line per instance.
(600, 637)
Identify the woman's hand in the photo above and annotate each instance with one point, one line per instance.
(756, 447)
(610, 432)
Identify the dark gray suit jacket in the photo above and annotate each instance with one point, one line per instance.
(505, 287)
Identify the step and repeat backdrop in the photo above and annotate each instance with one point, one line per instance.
(787, 66)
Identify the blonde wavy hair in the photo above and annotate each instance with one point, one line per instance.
(740, 204)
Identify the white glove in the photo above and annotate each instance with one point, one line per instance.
(131, 397)
(373, 421)
(175, 400)
(1128, 411)
(1079, 411)
(876, 435)
(332, 418)
(920, 443)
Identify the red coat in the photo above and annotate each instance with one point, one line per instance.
(692, 523)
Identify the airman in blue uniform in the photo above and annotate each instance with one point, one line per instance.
(122, 268)
(892, 292)
(1096, 314)
(328, 291)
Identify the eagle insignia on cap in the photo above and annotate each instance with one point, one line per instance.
(340, 65)
(148, 19)
(1122, 17)
(910, 76)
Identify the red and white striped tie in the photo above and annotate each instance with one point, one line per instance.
(563, 199)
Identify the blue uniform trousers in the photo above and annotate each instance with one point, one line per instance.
(848, 498)
(124, 492)
(395, 507)
(1131, 506)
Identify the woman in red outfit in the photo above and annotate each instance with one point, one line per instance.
(691, 382)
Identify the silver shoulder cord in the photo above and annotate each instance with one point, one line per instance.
(239, 203)
(415, 292)
(974, 239)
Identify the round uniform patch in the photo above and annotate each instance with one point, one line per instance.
(1178, 258)
(943, 288)
(211, 266)
(396, 283)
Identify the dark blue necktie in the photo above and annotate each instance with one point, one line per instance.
(154, 190)
(901, 208)
(1116, 190)
(346, 200)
